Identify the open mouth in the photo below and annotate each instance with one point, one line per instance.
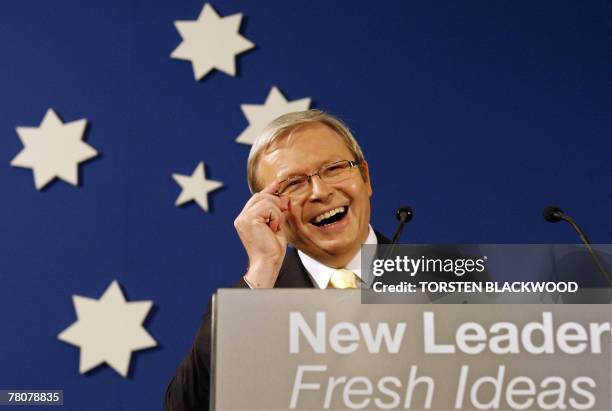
(330, 217)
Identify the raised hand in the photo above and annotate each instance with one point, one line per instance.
(260, 228)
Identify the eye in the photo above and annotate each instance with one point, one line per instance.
(294, 183)
(335, 168)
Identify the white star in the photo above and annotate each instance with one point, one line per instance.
(108, 330)
(260, 115)
(195, 187)
(53, 150)
(211, 42)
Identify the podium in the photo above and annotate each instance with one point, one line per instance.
(309, 349)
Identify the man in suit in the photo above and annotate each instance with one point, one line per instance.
(311, 190)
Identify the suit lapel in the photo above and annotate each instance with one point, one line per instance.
(293, 274)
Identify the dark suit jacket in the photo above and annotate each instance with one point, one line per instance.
(189, 389)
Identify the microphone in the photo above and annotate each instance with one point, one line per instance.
(403, 214)
(554, 214)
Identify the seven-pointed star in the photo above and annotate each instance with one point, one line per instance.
(195, 187)
(259, 115)
(211, 42)
(53, 150)
(108, 330)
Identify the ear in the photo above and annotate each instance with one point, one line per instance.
(365, 173)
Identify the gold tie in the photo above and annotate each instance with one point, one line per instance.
(343, 278)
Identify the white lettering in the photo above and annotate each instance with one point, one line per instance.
(383, 332)
(350, 391)
(430, 338)
(344, 332)
(546, 328)
(299, 385)
(572, 332)
(413, 381)
(471, 332)
(584, 393)
(382, 387)
(297, 323)
(512, 392)
(497, 385)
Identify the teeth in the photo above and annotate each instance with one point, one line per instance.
(328, 214)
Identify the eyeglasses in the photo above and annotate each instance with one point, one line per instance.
(332, 173)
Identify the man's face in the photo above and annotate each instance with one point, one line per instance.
(304, 152)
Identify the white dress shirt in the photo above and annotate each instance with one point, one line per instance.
(320, 273)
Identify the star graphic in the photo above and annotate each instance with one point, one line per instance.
(211, 42)
(54, 149)
(108, 330)
(259, 115)
(195, 187)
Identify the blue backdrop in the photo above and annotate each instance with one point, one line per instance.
(478, 114)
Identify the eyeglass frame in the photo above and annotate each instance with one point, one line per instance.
(352, 164)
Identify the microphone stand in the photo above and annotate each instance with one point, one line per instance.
(554, 214)
(403, 214)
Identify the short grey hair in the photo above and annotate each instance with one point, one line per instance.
(283, 126)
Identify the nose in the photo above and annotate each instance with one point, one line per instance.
(320, 189)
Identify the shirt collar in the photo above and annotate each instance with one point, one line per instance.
(320, 273)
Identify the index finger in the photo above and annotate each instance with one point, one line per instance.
(271, 189)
